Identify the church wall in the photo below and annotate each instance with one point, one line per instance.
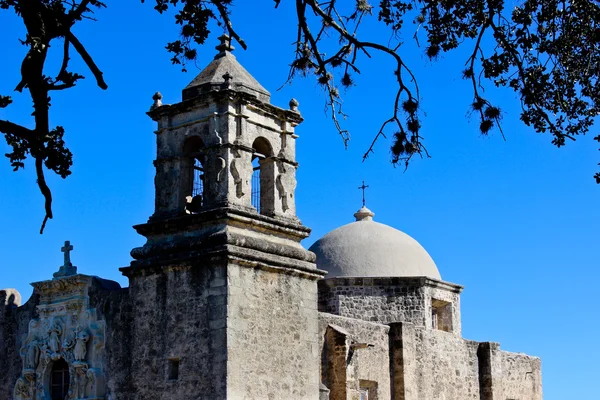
(367, 365)
(178, 333)
(444, 366)
(381, 300)
(272, 341)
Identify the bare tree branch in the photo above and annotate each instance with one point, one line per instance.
(88, 60)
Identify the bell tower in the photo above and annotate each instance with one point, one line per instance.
(225, 294)
(225, 145)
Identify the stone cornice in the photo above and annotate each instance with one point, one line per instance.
(222, 255)
(168, 110)
(223, 215)
(392, 281)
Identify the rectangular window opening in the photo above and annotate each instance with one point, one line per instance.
(368, 390)
(173, 372)
(441, 315)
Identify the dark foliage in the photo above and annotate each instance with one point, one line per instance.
(547, 51)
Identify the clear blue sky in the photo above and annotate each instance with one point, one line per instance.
(516, 222)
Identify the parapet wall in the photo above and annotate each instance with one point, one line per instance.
(508, 375)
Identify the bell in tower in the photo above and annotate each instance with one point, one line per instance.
(223, 288)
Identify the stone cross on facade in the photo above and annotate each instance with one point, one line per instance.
(363, 187)
(67, 250)
(67, 269)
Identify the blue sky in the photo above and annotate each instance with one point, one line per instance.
(516, 222)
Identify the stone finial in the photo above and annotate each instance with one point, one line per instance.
(364, 214)
(225, 46)
(157, 100)
(294, 105)
(67, 269)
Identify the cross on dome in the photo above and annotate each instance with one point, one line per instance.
(363, 187)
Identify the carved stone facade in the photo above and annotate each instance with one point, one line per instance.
(68, 329)
(225, 303)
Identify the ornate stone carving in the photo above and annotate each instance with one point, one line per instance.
(54, 340)
(279, 184)
(81, 339)
(282, 193)
(68, 329)
(22, 390)
(236, 175)
(31, 355)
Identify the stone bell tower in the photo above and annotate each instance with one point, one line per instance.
(225, 295)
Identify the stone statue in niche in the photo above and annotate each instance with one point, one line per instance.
(235, 173)
(81, 339)
(283, 195)
(81, 381)
(54, 339)
(31, 355)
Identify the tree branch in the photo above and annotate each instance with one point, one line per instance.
(228, 24)
(21, 132)
(88, 59)
(41, 181)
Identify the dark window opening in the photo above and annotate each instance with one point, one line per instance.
(173, 369)
(193, 179)
(263, 177)
(59, 380)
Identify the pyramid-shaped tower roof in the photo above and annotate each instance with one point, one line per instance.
(226, 71)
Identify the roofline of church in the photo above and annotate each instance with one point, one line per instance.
(391, 281)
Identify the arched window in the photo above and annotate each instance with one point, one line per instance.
(59, 380)
(256, 181)
(263, 196)
(193, 175)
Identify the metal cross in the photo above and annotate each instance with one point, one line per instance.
(363, 187)
(67, 250)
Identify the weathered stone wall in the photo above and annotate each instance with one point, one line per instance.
(509, 376)
(388, 300)
(521, 377)
(444, 366)
(370, 363)
(381, 300)
(116, 309)
(178, 317)
(272, 346)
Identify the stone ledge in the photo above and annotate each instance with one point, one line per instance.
(391, 281)
(247, 217)
(221, 255)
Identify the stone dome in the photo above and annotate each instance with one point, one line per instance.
(366, 248)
